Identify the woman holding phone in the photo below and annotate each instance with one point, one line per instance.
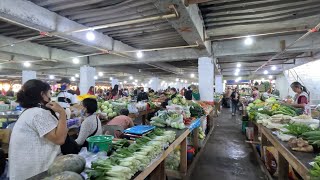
(37, 135)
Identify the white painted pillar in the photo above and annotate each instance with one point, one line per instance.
(87, 74)
(155, 83)
(206, 78)
(219, 84)
(114, 82)
(27, 75)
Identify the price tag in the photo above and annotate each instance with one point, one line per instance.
(260, 109)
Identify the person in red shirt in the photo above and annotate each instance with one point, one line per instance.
(123, 121)
(91, 90)
(301, 99)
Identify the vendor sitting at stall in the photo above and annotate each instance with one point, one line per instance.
(301, 99)
(164, 100)
(173, 92)
(123, 121)
(91, 125)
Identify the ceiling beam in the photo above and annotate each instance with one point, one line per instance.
(44, 20)
(265, 45)
(189, 24)
(261, 27)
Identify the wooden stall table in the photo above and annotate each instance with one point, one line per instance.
(298, 160)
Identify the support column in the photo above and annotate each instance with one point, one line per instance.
(206, 78)
(219, 84)
(155, 84)
(87, 74)
(27, 75)
(114, 82)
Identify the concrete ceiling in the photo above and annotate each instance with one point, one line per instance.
(216, 26)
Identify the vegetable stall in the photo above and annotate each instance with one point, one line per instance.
(286, 139)
(160, 152)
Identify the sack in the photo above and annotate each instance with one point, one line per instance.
(70, 146)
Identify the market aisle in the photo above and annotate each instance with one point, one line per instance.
(226, 155)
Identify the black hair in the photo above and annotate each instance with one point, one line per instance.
(91, 88)
(296, 84)
(91, 105)
(115, 90)
(189, 88)
(124, 112)
(256, 88)
(30, 93)
(173, 89)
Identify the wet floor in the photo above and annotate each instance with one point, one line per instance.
(226, 155)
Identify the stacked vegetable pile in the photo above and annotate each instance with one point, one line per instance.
(171, 118)
(270, 107)
(117, 106)
(196, 110)
(315, 170)
(125, 162)
(107, 108)
(179, 100)
(173, 160)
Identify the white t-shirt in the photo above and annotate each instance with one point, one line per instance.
(88, 126)
(65, 94)
(29, 152)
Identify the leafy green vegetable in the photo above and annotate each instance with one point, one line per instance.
(297, 129)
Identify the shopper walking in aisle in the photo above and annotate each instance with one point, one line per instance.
(91, 125)
(188, 94)
(66, 97)
(37, 135)
(234, 101)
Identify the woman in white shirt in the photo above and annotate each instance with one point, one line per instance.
(91, 126)
(37, 135)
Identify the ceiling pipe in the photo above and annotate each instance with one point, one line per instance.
(257, 35)
(315, 29)
(165, 48)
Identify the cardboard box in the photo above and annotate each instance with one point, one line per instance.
(5, 135)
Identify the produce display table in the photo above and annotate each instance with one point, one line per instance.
(198, 151)
(298, 160)
(156, 170)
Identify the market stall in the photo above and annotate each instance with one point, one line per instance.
(284, 138)
(162, 150)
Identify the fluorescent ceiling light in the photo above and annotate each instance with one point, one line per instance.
(75, 61)
(90, 36)
(139, 54)
(248, 41)
(27, 64)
